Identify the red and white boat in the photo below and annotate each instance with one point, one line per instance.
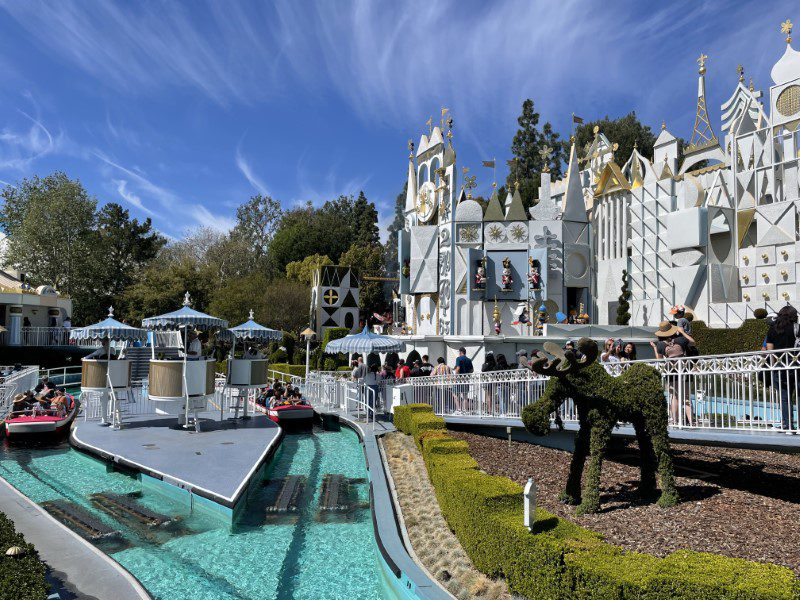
(42, 424)
(292, 414)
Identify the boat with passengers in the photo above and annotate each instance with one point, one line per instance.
(43, 416)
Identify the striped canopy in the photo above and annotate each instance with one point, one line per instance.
(364, 342)
(184, 316)
(108, 328)
(251, 331)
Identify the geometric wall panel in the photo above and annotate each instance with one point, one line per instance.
(424, 259)
(776, 223)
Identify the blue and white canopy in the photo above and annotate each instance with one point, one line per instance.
(184, 316)
(251, 331)
(364, 342)
(108, 328)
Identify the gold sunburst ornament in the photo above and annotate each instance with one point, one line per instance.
(518, 233)
(546, 152)
(469, 233)
(495, 233)
(786, 28)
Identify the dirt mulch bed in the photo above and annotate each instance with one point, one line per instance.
(735, 502)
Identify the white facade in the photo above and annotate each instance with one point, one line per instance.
(717, 232)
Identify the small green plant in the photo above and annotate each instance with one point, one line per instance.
(624, 306)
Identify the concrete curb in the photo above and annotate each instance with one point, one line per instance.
(86, 570)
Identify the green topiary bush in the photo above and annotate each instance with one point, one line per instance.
(299, 370)
(23, 577)
(560, 559)
(279, 356)
(333, 333)
(746, 338)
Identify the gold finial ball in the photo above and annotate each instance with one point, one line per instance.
(615, 146)
(596, 129)
(663, 125)
(16, 551)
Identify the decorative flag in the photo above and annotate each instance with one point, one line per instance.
(489, 163)
(576, 119)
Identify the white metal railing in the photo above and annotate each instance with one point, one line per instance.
(63, 376)
(752, 391)
(44, 336)
(336, 391)
(16, 382)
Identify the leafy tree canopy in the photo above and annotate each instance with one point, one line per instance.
(303, 270)
(625, 131)
(368, 260)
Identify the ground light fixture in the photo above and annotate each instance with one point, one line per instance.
(529, 496)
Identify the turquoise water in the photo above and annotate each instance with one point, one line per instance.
(306, 555)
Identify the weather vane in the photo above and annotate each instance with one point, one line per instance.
(546, 152)
(469, 182)
(786, 27)
(701, 60)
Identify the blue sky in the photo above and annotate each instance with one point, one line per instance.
(181, 111)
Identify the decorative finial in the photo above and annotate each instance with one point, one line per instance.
(410, 148)
(740, 71)
(444, 112)
(429, 123)
(614, 148)
(469, 182)
(186, 300)
(516, 184)
(752, 87)
(701, 60)
(596, 129)
(635, 144)
(663, 125)
(251, 314)
(786, 27)
(546, 152)
(572, 139)
(110, 311)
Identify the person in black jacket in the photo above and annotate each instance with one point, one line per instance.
(783, 335)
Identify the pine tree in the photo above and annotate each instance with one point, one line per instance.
(526, 147)
(623, 308)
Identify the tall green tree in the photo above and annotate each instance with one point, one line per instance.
(256, 222)
(51, 224)
(303, 270)
(368, 260)
(124, 246)
(528, 142)
(624, 306)
(625, 131)
(398, 223)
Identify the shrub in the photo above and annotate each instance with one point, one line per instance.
(279, 356)
(560, 559)
(22, 578)
(289, 342)
(745, 338)
(333, 333)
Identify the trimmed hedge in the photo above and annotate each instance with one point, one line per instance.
(299, 370)
(22, 578)
(748, 337)
(560, 559)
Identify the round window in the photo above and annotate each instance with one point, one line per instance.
(788, 102)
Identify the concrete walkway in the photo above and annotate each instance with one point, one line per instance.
(85, 570)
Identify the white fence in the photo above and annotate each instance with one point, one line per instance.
(755, 391)
(16, 382)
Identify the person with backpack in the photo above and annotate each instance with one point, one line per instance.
(683, 321)
(672, 344)
(784, 334)
(463, 366)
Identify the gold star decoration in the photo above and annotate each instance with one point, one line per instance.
(786, 28)
(546, 152)
(518, 233)
(495, 233)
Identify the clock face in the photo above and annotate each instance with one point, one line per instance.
(426, 201)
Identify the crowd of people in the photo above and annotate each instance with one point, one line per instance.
(280, 394)
(45, 399)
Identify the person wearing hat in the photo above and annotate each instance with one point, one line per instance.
(194, 347)
(669, 346)
(20, 405)
(522, 359)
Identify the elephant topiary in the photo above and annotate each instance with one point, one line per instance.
(601, 401)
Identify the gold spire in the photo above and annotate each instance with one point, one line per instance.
(701, 60)
(702, 133)
(752, 87)
(740, 71)
(663, 125)
(786, 27)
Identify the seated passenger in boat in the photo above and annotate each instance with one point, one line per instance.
(59, 406)
(42, 407)
(20, 406)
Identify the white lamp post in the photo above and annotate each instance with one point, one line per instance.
(308, 334)
(530, 503)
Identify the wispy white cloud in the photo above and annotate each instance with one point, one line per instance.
(21, 147)
(205, 218)
(247, 171)
(318, 189)
(131, 198)
(163, 195)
